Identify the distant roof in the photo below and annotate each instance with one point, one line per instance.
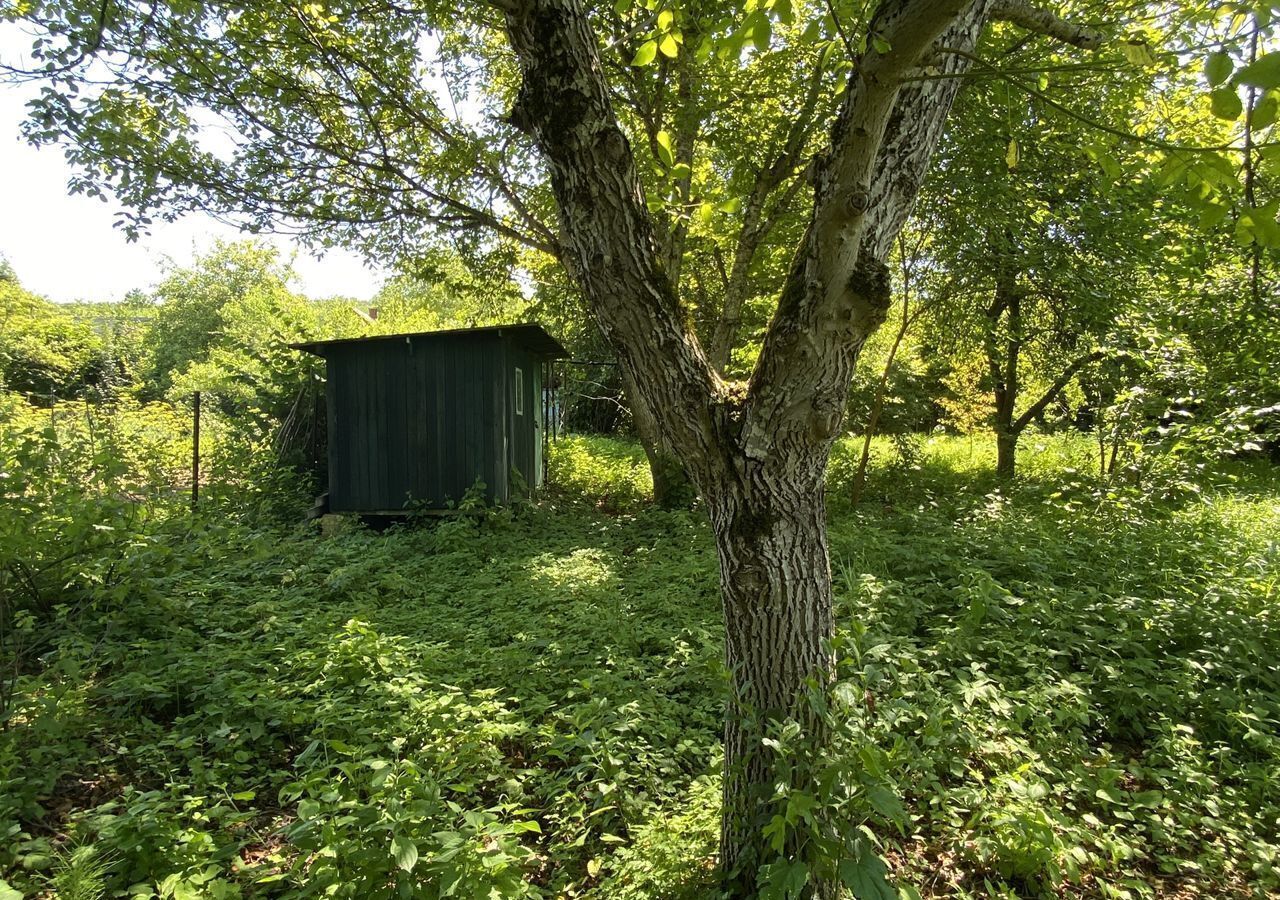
(530, 336)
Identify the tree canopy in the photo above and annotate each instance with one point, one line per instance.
(700, 173)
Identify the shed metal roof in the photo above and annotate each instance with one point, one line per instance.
(532, 337)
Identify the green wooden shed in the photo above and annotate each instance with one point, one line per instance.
(420, 418)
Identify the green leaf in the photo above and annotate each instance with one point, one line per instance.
(646, 54)
(1264, 72)
(1138, 52)
(7, 892)
(1244, 233)
(880, 44)
(1109, 164)
(1211, 217)
(866, 878)
(1264, 114)
(1225, 104)
(1109, 795)
(887, 804)
(799, 805)
(405, 852)
(762, 33)
(1148, 799)
(664, 148)
(1012, 154)
(1265, 230)
(669, 47)
(783, 880)
(1217, 68)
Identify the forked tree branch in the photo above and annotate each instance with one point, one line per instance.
(837, 292)
(1055, 389)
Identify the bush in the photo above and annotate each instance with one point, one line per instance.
(609, 473)
(45, 354)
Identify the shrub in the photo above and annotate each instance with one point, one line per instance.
(609, 473)
(45, 354)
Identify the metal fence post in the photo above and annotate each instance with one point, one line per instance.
(195, 451)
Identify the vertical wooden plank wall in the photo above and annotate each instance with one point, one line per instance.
(423, 418)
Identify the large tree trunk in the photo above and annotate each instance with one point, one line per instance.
(1006, 453)
(759, 461)
(776, 590)
(672, 488)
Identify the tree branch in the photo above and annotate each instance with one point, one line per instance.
(95, 44)
(612, 252)
(794, 136)
(1055, 389)
(1045, 22)
(837, 292)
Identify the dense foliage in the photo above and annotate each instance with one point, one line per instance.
(45, 353)
(226, 703)
(1055, 685)
(528, 704)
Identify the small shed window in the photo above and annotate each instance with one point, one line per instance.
(519, 391)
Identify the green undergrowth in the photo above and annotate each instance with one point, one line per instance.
(608, 473)
(1059, 692)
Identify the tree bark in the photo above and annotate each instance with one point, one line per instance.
(776, 587)
(736, 282)
(1006, 453)
(672, 488)
(760, 460)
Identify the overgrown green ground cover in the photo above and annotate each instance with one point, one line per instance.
(1051, 692)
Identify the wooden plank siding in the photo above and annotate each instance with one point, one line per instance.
(422, 418)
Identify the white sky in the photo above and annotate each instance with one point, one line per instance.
(66, 248)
